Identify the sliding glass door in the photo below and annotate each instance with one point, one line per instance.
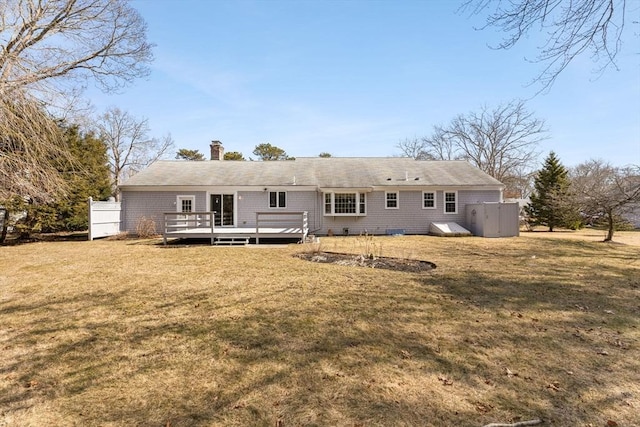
(223, 207)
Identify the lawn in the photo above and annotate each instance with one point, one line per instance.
(132, 333)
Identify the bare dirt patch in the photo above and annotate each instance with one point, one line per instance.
(387, 263)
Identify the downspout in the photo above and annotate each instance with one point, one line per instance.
(318, 208)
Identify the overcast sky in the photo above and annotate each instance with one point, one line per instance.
(353, 78)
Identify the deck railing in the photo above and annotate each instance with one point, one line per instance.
(175, 222)
(295, 221)
(201, 224)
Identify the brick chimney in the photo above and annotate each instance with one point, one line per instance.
(217, 150)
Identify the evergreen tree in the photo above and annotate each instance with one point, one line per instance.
(550, 203)
(86, 176)
(90, 179)
(186, 154)
(267, 152)
(233, 155)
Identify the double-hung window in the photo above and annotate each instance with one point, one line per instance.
(391, 200)
(428, 200)
(345, 204)
(277, 199)
(450, 202)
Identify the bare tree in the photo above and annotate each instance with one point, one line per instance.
(129, 147)
(440, 146)
(414, 148)
(44, 42)
(501, 141)
(572, 27)
(606, 192)
(31, 150)
(49, 49)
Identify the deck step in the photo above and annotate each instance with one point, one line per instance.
(231, 240)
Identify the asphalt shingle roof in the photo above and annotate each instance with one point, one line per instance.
(332, 172)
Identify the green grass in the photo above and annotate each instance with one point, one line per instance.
(122, 333)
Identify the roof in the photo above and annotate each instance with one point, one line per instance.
(332, 172)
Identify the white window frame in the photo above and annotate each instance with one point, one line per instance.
(446, 203)
(433, 193)
(277, 206)
(387, 199)
(179, 200)
(359, 198)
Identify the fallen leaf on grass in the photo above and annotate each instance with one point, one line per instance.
(510, 373)
(555, 386)
(483, 408)
(445, 381)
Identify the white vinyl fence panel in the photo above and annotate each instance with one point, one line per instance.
(104, 218)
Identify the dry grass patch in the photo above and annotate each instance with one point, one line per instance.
(131, 333)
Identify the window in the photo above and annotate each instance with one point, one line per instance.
(185, 203)
(450, 202)
(428, 200)
(277, 199)
(391, 200)
(345, 204)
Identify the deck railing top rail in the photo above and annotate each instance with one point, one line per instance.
(175, 222)
(296, 220)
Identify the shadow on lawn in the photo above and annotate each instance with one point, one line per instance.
(365, 356)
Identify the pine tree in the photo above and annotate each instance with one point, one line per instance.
(550, 203)
(90, 178)
(87, 176)
(187, 154)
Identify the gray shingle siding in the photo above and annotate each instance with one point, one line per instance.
(410, 216)
(250, 202)
(152, 205)
(154, 190)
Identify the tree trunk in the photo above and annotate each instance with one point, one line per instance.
(4, 213)
(610, 224)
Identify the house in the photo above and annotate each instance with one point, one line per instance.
(337, 196)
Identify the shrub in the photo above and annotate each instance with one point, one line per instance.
(146, 227)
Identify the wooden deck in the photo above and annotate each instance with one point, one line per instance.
(269, 225)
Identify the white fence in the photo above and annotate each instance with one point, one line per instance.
(104, 219)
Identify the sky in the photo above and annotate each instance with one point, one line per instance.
(354, 78)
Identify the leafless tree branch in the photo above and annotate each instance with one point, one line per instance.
(606, 191)
(573, 27)
(45, 41)
(501, 141)
(31, 150)
(129, 147)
